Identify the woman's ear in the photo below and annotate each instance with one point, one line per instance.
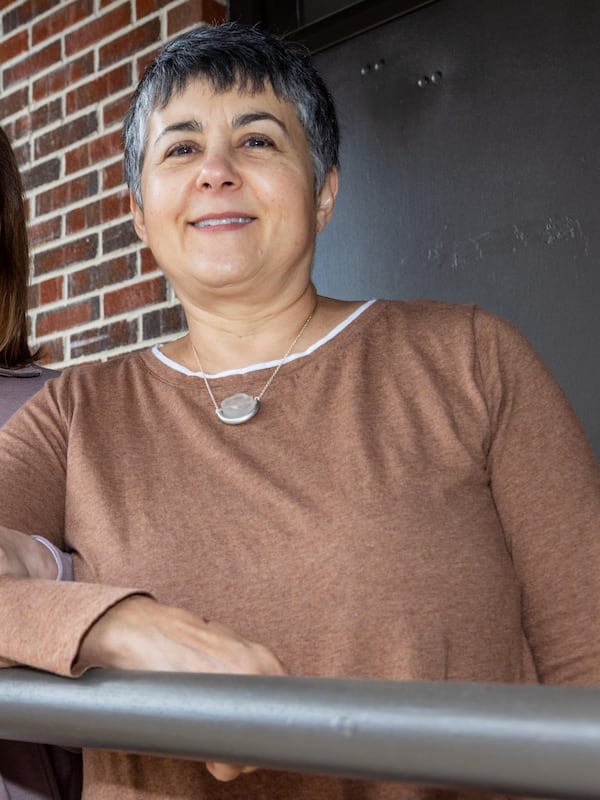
(326, 199)
(139, 222)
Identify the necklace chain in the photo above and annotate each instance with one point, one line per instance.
(271, 376)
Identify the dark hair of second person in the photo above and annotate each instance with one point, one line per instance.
(14, 263)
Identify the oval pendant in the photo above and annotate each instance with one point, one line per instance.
(238, 408)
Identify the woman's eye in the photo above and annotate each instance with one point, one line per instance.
(180, 150)
(258, 141)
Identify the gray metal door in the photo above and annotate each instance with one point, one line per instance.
(471, 171)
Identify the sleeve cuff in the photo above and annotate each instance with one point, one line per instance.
(64, 562)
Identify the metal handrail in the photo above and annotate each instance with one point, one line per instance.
(530, 740)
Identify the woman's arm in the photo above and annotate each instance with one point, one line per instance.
(140, 634)
(32, 557)
(67, 627)
(546, 487)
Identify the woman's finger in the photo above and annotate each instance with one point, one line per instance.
(226, 772)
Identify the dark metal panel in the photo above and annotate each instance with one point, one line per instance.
(274, 14)
(286, 18)
(471, 171)
(533, 740)
(356, 19)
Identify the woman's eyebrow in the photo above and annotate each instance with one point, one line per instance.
(185, 125)
(240, 121)
(257, 116)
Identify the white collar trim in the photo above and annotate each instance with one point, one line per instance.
(157, 351)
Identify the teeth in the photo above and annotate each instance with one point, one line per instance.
(210, 223)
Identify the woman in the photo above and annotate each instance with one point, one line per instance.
(395, 490)
(27, 771)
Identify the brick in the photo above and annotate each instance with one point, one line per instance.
(83, 217)
(32, 63)
(68, 15)
(13, 103)
(99, 88)
(106, 147)
(118, 236)
(61, 319)
(130, 43)
(72, 253)
(66, 193)
(112, 176)
(145, 7)
(46, 231)
(66, 75)
(41, 174)
(144, 60)
(46, 114)
(98, 28)
(71, 131)
(163, 322)
(89, 154)
(25, 13)
(114, 112)
(135, 296)
(98, 276)
(50, 291)
(10, 130)
(22, 151)
(33, 296)
(19, 128)
(40, 118)
(148, 262)
(11, 20)
(115, 206)
(106, 337)
(188, 13)
(14, 46)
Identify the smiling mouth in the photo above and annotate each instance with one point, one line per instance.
(213, 223)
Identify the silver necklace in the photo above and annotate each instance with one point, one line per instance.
(241, 407)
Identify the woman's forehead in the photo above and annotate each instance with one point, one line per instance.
(204, 87)
(199, 98)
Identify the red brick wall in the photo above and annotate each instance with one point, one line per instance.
(68, 70)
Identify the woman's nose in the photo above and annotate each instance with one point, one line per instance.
(217, 170)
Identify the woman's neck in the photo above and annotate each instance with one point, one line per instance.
(232, 338)
(225, 342)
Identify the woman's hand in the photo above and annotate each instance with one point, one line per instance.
(139, 633)
(23, 557)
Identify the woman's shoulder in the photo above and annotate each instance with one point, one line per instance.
(99, 371)
(422, 320)
(438, 317)
(97, 380)
(451, 332)
(426, 311)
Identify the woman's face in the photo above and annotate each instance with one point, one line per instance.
(228, 194)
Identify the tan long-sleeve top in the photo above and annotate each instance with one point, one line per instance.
(414, 500)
